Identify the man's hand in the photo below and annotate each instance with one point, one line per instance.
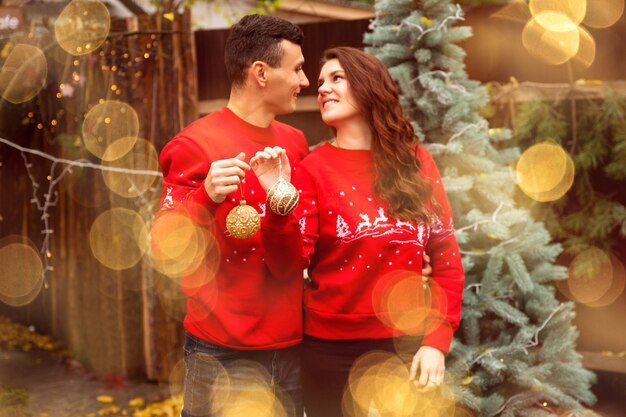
(269, 164)
(225, 176)
(431, 364)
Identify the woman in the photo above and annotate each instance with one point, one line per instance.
(371, 203)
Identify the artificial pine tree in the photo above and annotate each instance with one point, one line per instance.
(514, 354)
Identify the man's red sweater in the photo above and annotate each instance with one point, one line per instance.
(239, 296)
(354, 246)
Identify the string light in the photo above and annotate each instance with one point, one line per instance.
(107, 58)
(50, 197)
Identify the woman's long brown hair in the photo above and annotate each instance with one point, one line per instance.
(398, 170)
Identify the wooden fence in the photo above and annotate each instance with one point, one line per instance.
(117, 321)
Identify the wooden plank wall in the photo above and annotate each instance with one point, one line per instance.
(116, 322)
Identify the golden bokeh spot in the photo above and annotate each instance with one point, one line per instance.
(556, 22)
(141, 155)
(618, 283)
(590, 275)
(219, 396)
(82, 26)
(179, 247)
(550, 46)
(105, 124)
(574, 10)
(118, 238)
(603, 13)
(587, 49)
(379, 384)
(21, 273)
(259, 399)
(23, 74)
(400, 302)
(545, 172)
(177, 378)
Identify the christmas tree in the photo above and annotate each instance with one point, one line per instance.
(514, 353)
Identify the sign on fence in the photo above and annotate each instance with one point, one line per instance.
(11, 19)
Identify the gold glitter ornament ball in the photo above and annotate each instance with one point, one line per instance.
(243, 221)
(282, 197)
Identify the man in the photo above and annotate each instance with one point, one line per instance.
(244, 320)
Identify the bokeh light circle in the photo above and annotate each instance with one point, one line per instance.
(82, 26)
(21, 271)
(258, 399)
(179, 246)
(590, 275)
(618, 283)
(574, 10)
(545, 172)
(23, 73)
(140, 156)
(400, 302)
(118, 238)
(550, 46)
(110, 129)
(379, 384)
(603, 13)
(556, 22)
(587, 49)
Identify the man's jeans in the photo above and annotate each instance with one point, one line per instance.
(220, 381)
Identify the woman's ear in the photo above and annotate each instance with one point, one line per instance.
(258, 71)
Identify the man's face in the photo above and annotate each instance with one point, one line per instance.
(286, 81)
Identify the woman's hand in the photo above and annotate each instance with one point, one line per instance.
(427, 270)
(431, 364)
(269, 164)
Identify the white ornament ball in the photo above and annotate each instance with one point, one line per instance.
(282, 197)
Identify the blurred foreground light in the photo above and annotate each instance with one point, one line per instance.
(23, 74)
(574, 10)
(141, 155)
(118, 238)
(259, 399)
(603, 13)
(21, 271)
(401, 303)
(379, 384)
(82, 26)
(595, 278)
(554, 45)
(587, 48)
(110, 129)
(545, 172)
(181, 247)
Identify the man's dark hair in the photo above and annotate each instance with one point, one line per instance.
(257, 38)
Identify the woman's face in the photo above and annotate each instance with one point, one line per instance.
(333, 95)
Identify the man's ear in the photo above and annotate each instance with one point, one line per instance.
(258, 71)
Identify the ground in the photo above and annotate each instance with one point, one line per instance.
(44, 385)
(38, 380)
